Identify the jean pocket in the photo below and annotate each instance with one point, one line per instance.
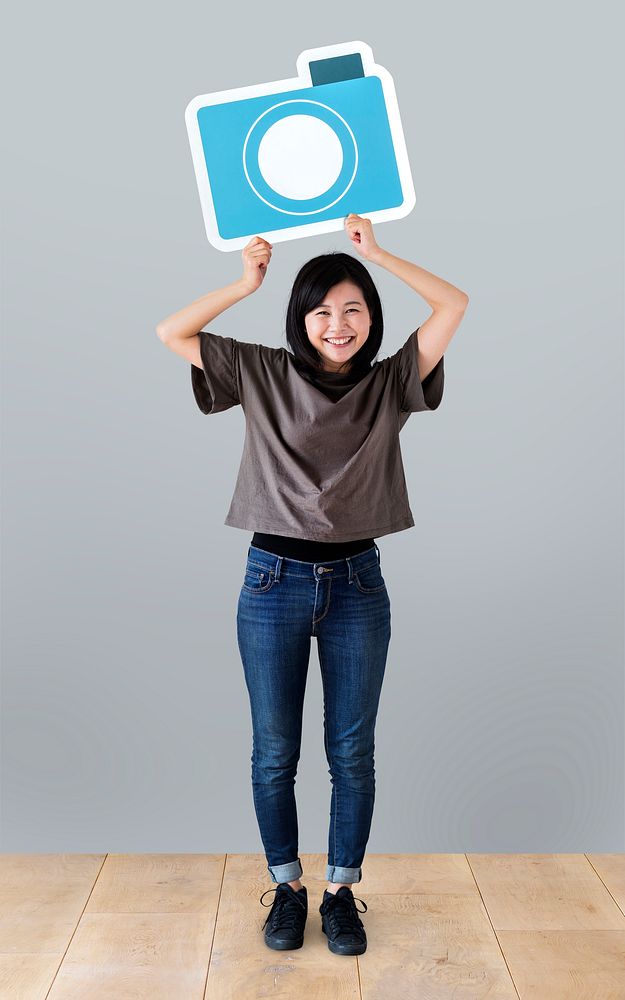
(258, 579)
(369, 579)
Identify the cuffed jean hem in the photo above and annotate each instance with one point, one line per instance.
(346, 875)
(286, 873)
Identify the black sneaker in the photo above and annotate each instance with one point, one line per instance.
(341, 923)
(284, 926)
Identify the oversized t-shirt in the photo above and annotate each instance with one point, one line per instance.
(313, 467)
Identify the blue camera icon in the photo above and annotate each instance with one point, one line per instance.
(293, 158)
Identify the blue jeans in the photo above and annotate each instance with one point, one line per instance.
(345, 605)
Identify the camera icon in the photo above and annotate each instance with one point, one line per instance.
(293, 158)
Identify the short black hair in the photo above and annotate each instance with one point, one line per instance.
(313, 281)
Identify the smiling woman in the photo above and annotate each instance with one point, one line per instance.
(342, 326)
(334, 299)
(320, 477)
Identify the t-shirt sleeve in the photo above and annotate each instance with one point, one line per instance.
(215, 384)
(415, 394)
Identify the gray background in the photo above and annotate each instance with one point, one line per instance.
(126, 722)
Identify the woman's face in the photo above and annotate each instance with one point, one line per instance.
(342, 314)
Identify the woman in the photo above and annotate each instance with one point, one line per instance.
(321, 477)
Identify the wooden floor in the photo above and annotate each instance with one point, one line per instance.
(188, 926)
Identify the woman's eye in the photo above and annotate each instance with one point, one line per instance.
(324, 313)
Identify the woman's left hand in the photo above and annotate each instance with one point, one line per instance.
(360, 232)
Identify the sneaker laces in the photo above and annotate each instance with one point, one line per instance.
(285, 908)
(342, 914)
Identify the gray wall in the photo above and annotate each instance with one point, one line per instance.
(125, 716)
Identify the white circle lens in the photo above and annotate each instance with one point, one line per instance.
(300, 157)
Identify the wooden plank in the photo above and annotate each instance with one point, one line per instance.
(611, 870)
(42, 897)
(428, 932)
(561, 931)
(146, 931)
(544, 892)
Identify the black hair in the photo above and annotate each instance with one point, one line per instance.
(311, 284)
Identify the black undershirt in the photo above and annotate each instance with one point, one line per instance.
(308, 550)
(334, 385)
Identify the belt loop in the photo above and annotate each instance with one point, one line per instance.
(378, 552)
(278, 567)
(350, 571)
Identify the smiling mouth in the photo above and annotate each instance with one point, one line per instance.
(340, 341)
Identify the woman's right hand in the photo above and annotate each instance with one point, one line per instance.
(256, 256)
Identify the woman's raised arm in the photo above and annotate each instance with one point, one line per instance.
(189, 321)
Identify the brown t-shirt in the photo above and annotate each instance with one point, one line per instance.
(313, 467)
